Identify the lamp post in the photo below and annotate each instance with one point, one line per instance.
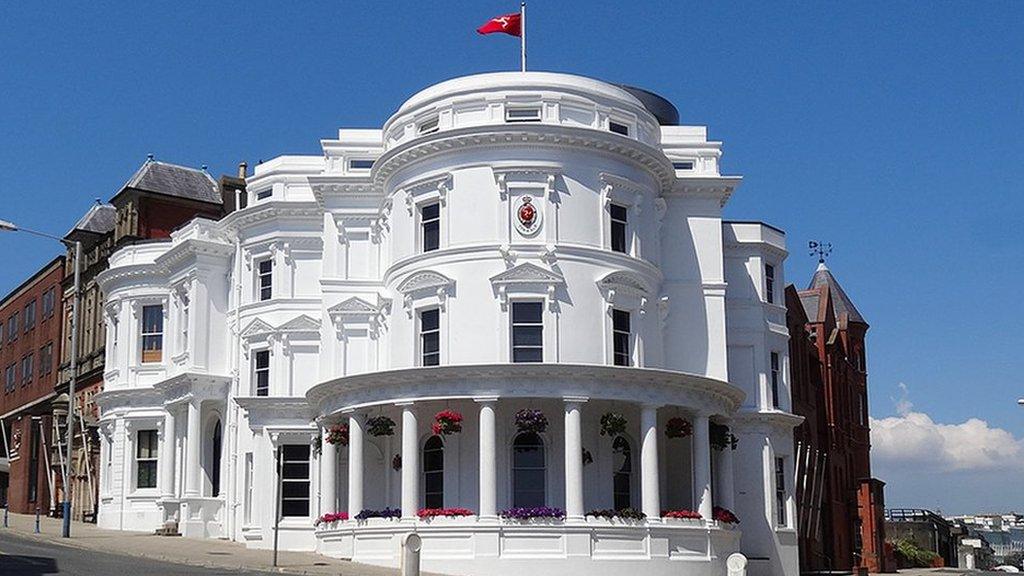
(66, 504)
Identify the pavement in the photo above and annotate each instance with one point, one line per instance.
(93, 551)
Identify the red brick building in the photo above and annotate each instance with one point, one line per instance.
(30, 347)
(840, 506)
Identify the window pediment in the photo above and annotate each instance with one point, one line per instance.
(424, 284)
(527, 278)
(617, 285)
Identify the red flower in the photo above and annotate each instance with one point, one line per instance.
(684, 514)
(447, 422)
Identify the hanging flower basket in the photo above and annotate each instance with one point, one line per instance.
(331, 518)
(724, 515)
(720, 438)
(447, 422)
(318, 444)
(613, 424)
(588, 458)
(380, 426)
(396, 462)
(677, 427)
(681, 514)
(338, 434)
(530, 420)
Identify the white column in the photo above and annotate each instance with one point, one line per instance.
(328, 475)
(167, 455)
(488, 460)
(702, 466)
(410, 463)
(355, 465)
(193, 472)
(650, 489)
(573, 460)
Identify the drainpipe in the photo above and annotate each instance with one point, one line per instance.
(231, 502)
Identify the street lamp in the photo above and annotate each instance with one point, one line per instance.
(6, 226)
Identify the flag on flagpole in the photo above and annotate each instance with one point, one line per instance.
(510, 24)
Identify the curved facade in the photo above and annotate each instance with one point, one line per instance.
(506, 242)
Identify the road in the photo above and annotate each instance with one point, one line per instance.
(24, 556)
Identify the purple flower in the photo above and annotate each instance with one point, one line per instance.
(531, 513)
(385, 513)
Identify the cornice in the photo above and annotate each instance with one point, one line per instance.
(266, 411)
(715, 187)
(110, 400)
(765, 422)
(111, 278)
(192, 248)
(325, 184)
(527, 380)
(525, 135)
(271, 210)
(191, 385)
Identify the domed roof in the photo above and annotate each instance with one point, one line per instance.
(663, 110)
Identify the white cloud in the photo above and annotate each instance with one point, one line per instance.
(912, 440)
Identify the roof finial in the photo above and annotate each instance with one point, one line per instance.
(99, 202)
(150, 157)
(821, 249)
(204, 167)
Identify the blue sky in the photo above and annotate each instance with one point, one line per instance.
(891, 129)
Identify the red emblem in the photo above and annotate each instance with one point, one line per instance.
(527, 213)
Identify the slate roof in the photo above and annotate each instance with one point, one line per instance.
(175, 180)
(809, 300)
(100, 219)
(841, 303)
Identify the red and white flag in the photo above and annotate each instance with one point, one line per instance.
(510, 24)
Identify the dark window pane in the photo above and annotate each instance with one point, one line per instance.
(433, 482)
(527, 312)
(528, 498)
(298, 470)
(433, 460)
(618, 212)
(529, 458)
(528, 336)
(152, 319)
(431, 211)
(431, 359)
(429, 320)
(431, 236)
(618, 237)
(620, 320)
(527, 355)
(431, 343)
(433, 500)
(296, 452)
(265, 267)
(295, 489)
(295, 508)
(621, 483)
(262, 359)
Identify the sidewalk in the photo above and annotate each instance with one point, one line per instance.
(195, 552)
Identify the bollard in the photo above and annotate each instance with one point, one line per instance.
(411, 545)
(6, 510)
(37, 519)
(736, 565)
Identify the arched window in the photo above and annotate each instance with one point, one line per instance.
(433, 473)
(215, 461)
(528, 463)
(622, 467)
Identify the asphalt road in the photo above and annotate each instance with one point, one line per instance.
(21, 556)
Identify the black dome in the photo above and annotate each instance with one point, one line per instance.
(661, 108)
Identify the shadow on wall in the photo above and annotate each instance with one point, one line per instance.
(27, 565)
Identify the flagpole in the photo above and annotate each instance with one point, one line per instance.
(522, 35)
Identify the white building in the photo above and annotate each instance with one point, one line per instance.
(506, 241)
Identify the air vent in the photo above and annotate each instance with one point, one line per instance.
(531, 114)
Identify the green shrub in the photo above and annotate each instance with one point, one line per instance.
(908, 555)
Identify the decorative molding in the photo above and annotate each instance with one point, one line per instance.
(419, 284)
(624, 283)
(527, 278)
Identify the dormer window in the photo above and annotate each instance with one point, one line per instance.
(428, 126)
(523, 114)
(618, 127)
(362, 164)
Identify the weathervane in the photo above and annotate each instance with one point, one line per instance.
(821, 249)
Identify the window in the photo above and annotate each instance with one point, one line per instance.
(620, 338)
(433, 473)
(146, 450)
(10, 378)
(769, 283)
(264, 194)
(523, 114)
(430, 222)
(622, 458)
(428, 126)
(780, 492)
(294, 480)
(33, 459)
(683, 165)
(430, 337)
(619, 215)
(618, 127)
(30, 316)
(26, 370)
(48, 303)
(152, 333)
(247, 505)
(527, 332)
(217, 441)
(264, 279)
(360, 164)
(12, 327)
(528, 471)
(261, 372)
(775, 379)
